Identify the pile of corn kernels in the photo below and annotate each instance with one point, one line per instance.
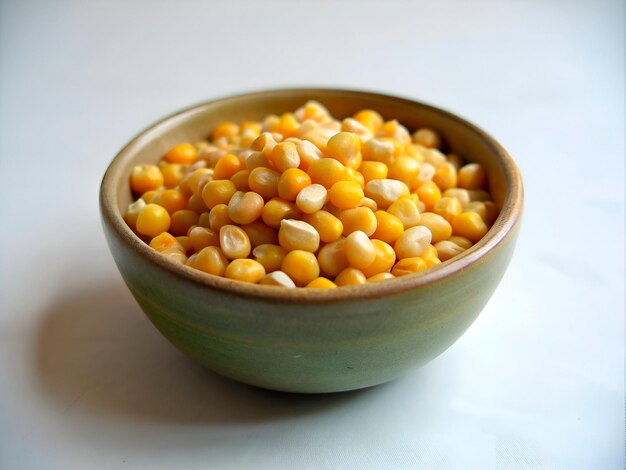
(306, 200)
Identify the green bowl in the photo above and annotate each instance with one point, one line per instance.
(312, 340)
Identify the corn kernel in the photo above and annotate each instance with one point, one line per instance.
(133, 211)
(461, 241)
(448, 208)
(413, 242)
(218, 217)
(373, 171)
(321, 283)
(245, 270)
(346, 194)
(409, 266)
(388, 227)
(429, 193)
(385, 259)
(171, 199)
(201, 237)
(327, 225)
(311, 198)
(276, 210)
(153, 220)
(405, 169)
(182, 153)
(210, 260)
(245, 208)
(332, 257)
(350, 277)
(467, 224)
(380, 277)
(285, 156)
(370, 119)
(438, 226)
(327, 171)
(225, 129)
(240, 180)
(182, 221)
(346, 148)
(378, 150)
(386, 191)
(234, 242)
(309, 153)
(145, 178)
(447, 249)
(298, 235)
(165, 241)
(172, 174)
(427, 137)
(278, 279)
(406, 210)
(270, 256)
(260, 234)
(301, 266)
(264, 181)
(472, 176)
(359, 249)
(291, 182)
(359, 218)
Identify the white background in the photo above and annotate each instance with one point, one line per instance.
(87, 382)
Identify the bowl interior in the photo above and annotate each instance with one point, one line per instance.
(197, 122)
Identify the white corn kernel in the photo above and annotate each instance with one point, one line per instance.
(359, 250)
(298, 235)
(278, 278)
(447, 249)
(427, 171)
(311, 198)
(412, 242)
(308, 152)
(385, 191)
(405, 210)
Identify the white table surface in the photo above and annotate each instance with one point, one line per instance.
(87, 382)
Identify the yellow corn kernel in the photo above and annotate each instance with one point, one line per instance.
(301, 266)
(429, 193)
(445, 176)
(311, 198)
(185, 242)
(145, 178)
(472, 176)
(172, 174)
(171, 199)
(182, 221)
(409, 266)
(291, 182)
(270, 123)
(201, 237)
(327, 225)
(312, 110)
(321, 283)
(370, 119)
(225, 129)
(318, 137)
(332, 257)
(227, 166)
(385, 259)
(478, 207)
(264, 181)
(309, 153)
(456, 161)
(327, 171)
(260, 234)
(288, 125)
(245, 270)
(153, 220)
(396, 131)
(386, 191)
(413, 242)
(373, 171)
(234, 242)
(346, 148)
(285, 156)
(196, 204)
(469, 225)
(427, 137)
(359, 249)
(250, 126)
(264, 143)
(298, 235)
(218, 217)
(447, 249)
(276, 209)
(346, 194)
(218, 192)
(430, 255)
(438, 226)
(278, 279)
(270, 256)
(182, 153)
(378, 150)
(245, 208)
(388, 227)
(350, 277)
(380, 277)
(240, 180)
(165, 241)
(461, 241)
(434, 157)
(210, 259)
(406, 210)
(359, 218)
(448, 208)
(405, 169)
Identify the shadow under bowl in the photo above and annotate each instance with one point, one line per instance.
(313, 340)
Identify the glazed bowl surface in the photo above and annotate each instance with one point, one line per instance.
(312, 340)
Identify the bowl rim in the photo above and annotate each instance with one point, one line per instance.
(506, 222)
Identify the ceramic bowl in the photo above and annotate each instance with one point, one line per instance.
(312, 340)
